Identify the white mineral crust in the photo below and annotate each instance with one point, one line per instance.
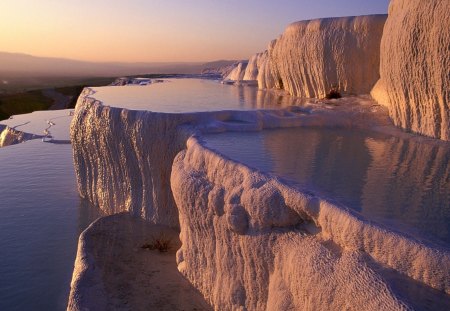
(415, 66)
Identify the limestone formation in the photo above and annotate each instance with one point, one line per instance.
(317, 249)
(251, 71)
(415, 66)
(237, 74)
(239, 227)
(311, 57)
(10, 136)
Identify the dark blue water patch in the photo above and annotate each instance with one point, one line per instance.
(403, 184)
(42, 217)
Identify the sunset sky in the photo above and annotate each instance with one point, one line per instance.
(158, 30)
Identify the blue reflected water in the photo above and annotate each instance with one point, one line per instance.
(400, 183)
(41, 219)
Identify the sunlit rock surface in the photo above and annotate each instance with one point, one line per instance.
(414, 69)
(137, 147)
(237, 74)
(311, 57)
(118, 168)
(239, 228)
(251, 71)
(315, 246)
(9, 136)
(114, 272)
(267, 75)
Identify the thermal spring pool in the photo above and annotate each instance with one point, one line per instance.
(402, 184)
(42, 217)
(399, 183)
(190, 95)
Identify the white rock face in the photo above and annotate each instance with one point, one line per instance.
(237, 74)
(152, 279)
(87, 287)
(251, 71)
(123, 158)
(240, 228)
(118, 167)
(414, 69)
(317, 250)
(313, 56)
(267, 76)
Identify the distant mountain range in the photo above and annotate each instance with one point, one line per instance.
(16, 65)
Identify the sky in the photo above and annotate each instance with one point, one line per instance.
(159, 30)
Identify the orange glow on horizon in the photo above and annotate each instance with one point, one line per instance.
(156, 31)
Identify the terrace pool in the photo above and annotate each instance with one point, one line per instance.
(191, 95)
(403, 184)
(42, 216)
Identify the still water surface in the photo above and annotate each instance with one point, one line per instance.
(400, 183)
(191, 95)
(41, 219)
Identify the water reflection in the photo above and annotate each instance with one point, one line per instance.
(42, 217)
(190, 95)
(400, 183)
(409, 181)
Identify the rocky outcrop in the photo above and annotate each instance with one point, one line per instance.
(237, 74)
(238, 226)
(251, 71)
(317, 251)
(149, 279)
(414, 69)
(10, 136)
(132, 173)
(267, 75)
(137, 149)
(221, 67)
(312, 57)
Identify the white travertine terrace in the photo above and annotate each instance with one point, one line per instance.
(249, 240)
(311, 57)
(150, 275)
(239, 227)
(140, 183)
(267, 77)
(237, 74)
(415, 67)
(316, 247)
(52, 124)
(251, 71)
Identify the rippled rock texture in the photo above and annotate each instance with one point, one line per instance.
(414, 70)
(122, 159)
(312, 57)
(240, 228)
(237, 74)
(249, 242)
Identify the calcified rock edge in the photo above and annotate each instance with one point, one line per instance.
(410, 59)
(248, 240)
(10, 136)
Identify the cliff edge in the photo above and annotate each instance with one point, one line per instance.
(414, 67)
(312, 57)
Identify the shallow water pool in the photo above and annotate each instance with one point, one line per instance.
(402, 184)
(41, 219)
(191, 95)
